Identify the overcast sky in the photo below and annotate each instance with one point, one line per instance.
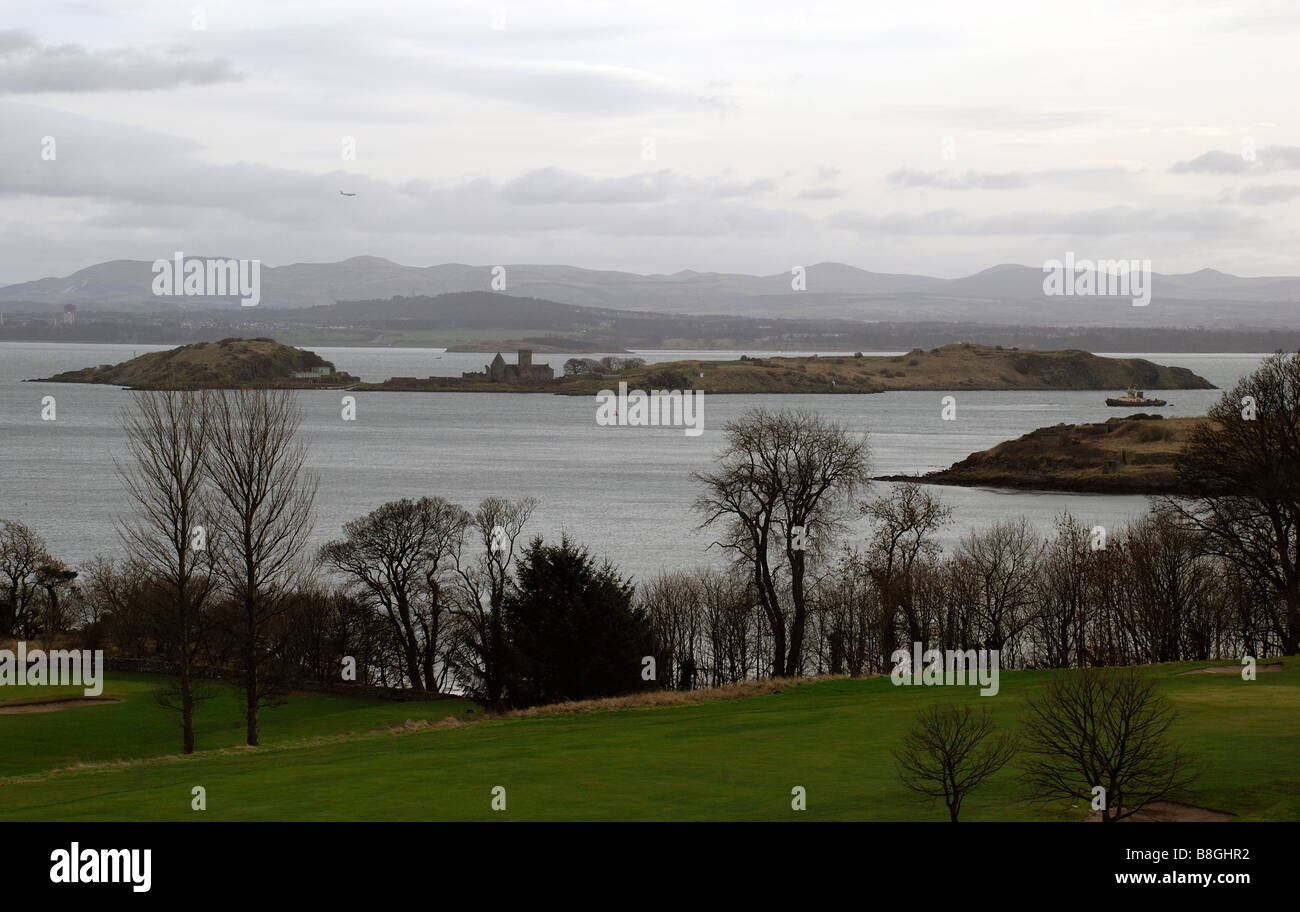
(929, 137)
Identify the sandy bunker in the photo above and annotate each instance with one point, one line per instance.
(53, 705)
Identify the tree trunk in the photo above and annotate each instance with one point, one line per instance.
(187, 703)
(250, 690)
(250, 694)
(794, 657)
(1290, 632)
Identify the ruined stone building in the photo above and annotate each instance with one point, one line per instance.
(523, 372)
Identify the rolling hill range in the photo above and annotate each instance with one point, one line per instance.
(1011, 294)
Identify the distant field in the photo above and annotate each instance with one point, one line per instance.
(721, 760)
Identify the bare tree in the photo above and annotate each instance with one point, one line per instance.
(779, 492)
(734, 626)
(481, 559)
(57, 583)
(1244, 465)
(1103, 727)
(995, 576)
(950, 752)
(673, 603)
(166, 481)
(904, 525)
(117, 602)
(1170, 585)
(393, 553)
(22, 554)
(262, 514)
(1066, 594)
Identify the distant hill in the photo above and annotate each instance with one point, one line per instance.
(230, 363)
(1130, 454)
(1010, 294)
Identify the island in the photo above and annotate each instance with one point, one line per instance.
(960, 366)
(1134, 454)
(229, 364)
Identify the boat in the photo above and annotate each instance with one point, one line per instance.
(1134, 397)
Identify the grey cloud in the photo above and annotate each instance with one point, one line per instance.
(377, 66)
(1114, 220)
(1005, 117)
(1263, 196)
(970, 180)
(937, 222)
(727, 189)
(137, 179)
(558, 186)
(822, 193)
(554, 185)
(1267, 159)
(565, 86)
(1006, 180)
(28, 67)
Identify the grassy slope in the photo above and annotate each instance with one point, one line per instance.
(720, 760)
(1071, 458)
(952, 367)
(140, 727)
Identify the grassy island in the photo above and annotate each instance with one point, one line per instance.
(230, 363)
(1132, 454)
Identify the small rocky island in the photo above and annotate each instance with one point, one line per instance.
(228, 364)
(1134, 454)
(960, 366)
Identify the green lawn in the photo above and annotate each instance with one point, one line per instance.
(139, 726)
(733, 760)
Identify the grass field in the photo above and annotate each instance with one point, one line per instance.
(138, 727)
(719, 760)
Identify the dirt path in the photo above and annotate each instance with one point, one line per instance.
(1232, 669)
(47, 706)
(1170, 812)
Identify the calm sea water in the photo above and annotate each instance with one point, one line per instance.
(625, 492)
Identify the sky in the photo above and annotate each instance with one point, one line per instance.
(939, 138)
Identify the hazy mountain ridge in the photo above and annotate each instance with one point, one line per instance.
(1006, 293)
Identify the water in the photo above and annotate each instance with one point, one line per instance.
(625, 492)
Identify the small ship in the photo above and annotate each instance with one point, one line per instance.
(1134, 397)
